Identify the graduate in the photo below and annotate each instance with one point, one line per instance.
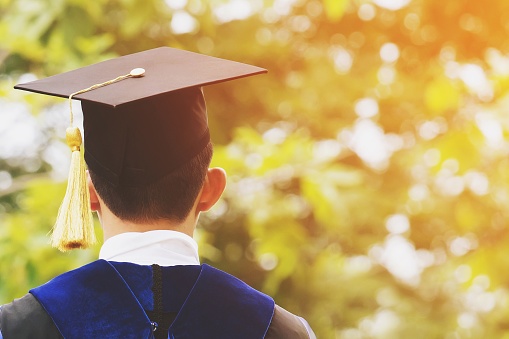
(147, 149)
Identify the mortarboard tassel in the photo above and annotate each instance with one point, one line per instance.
(74, 227)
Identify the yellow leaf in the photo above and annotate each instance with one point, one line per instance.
(335, 9)
(468, 217)
(441, 95)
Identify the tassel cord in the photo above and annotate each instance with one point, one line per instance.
(74, 227)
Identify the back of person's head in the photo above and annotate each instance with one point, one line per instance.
(169, 198)
(140, 130)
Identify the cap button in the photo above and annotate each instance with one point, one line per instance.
(137, 72)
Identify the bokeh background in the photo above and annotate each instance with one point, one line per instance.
(368, 171)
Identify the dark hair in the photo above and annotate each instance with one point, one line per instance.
(170, 198)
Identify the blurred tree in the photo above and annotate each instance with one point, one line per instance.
(368, 170)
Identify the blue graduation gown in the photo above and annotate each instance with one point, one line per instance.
(108, 300)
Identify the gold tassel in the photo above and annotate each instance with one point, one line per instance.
(74, 227)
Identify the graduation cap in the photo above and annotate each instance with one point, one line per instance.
(144, 116)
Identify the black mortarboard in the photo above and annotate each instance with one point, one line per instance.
(139, 129)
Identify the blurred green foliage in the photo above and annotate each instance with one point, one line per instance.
(369, 170)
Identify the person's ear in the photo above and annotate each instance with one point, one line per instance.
(213, 187)
(94, 198)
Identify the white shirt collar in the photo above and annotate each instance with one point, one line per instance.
(161, 247)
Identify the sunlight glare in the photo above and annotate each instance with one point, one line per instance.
(389, 52)
(475, 78)
(477, 182)
(268, 261)
(460, 246)
(463, 273)
(432, 157)
(392, 5)
(366, 107)
(283, 7)
(343, 60)
(366, 12)
(56, 153)
(327, 149)
(418, 192)
(176, 4)
(235, 10)
(19, 131)
(491, 129)
(397, 224)
(5, 180)
(467, 320)
(382, 325)
(386, 75)
(182, 23)
(369, 142)
(401, 259)
(275, 136)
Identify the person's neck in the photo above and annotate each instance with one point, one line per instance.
(113, 226)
